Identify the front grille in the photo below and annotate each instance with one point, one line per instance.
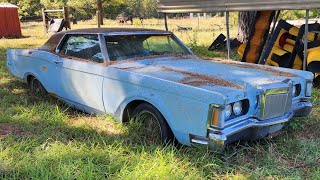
(275, 102)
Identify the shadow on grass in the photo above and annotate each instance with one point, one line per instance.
(34, 124)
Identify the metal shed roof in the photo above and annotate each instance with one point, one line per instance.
(7, 5)
(188, 6)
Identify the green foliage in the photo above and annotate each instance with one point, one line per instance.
(298, 14)
(84, 9)
(53, 4)
(29, 7)
(150, 9)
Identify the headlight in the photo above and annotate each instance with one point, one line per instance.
(294, 90)
(308, 89)
(228, 111)
(237, 108)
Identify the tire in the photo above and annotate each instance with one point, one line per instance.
(36, 86)
(155, 128)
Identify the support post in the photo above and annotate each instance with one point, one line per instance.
(165, 21)
(66, 16)
(306, 31)
(44, 21)
(228, 34)
(198, 21)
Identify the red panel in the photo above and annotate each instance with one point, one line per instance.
(2, 22)
(9, 22)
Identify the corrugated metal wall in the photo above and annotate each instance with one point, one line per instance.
(187, 6)
(9, 22)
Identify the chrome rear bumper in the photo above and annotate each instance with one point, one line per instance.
(249, 129)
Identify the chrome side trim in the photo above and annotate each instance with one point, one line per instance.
(198, 141)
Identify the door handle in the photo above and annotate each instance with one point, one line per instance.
(57, 61)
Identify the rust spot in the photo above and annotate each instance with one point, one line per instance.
(253, 66)
(196, 79)
(44, 68)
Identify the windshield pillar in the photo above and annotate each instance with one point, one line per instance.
(228, 34)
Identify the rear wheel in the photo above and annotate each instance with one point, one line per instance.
(36, 86)
(154, 127)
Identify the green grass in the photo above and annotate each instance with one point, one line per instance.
(41, 138)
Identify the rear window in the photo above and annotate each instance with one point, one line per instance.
(53, 42)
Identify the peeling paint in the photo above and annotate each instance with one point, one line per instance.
(196, 79)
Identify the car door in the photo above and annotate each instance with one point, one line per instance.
(81, 74)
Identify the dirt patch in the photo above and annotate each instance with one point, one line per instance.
(100, 125)
(254, 66)
(196, 79)
(6, 129)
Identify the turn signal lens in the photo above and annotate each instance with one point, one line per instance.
(215, 118)
(309, 89)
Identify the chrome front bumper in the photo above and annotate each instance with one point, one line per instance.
(249, 129)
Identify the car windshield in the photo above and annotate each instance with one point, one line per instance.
(122, 47)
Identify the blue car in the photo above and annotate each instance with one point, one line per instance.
(150, 76)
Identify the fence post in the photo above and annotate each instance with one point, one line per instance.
(98, 19)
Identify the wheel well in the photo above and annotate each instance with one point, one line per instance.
(127, 113)
(29, 78)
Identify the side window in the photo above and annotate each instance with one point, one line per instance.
(163, 44)
(83, 46)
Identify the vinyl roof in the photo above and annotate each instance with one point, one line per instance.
(53, 41)
(188, 6)
(110, 30)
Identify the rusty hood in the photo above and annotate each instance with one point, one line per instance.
(210, 74)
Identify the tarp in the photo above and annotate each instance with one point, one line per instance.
(189, 6)
(9, 21)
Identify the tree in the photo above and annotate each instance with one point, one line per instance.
(82, 10)
(150, 8)
(135, 8)
(246, 21)
(29, 7)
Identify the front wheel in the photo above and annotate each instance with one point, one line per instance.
(154, 127)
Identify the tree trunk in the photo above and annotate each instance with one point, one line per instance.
(99, 8)
(246, 21)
